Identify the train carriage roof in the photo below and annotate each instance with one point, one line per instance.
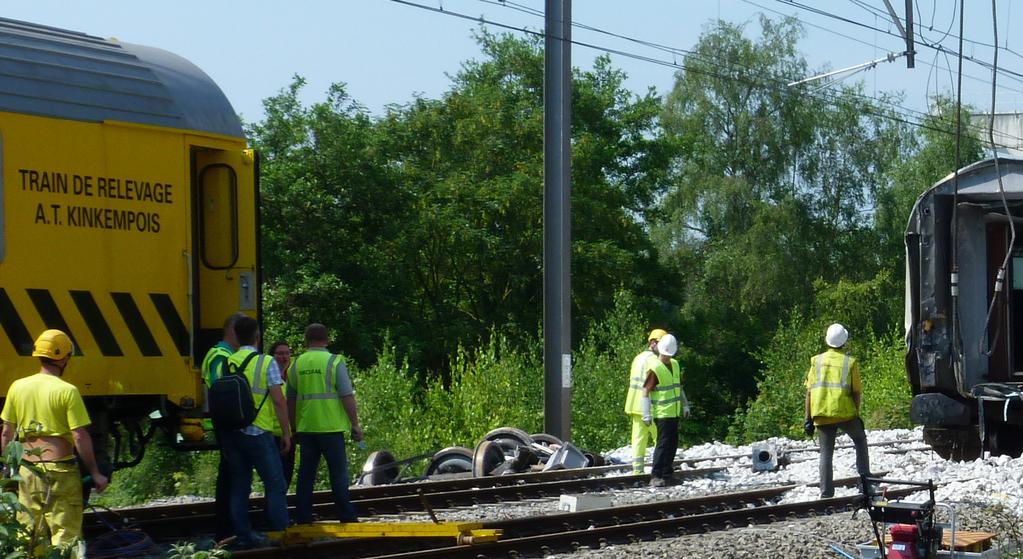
(979, 181)
(53, 72)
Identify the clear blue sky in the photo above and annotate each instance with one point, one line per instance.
(388, 52)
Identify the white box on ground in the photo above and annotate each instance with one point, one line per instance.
(578, 503)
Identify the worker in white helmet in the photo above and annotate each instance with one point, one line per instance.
(833, 403)
(663, 403)
(643, 433)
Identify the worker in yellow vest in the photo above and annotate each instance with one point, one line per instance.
(642, 433)
(253, 446)
(832, 403)
(663, 403)
(212, 367)
(47, 415)
(322, 401)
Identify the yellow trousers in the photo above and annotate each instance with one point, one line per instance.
(641, 435)
(54, 505)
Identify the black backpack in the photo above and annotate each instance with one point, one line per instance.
(230, 398)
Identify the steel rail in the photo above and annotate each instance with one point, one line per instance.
(541, 535)
(171, 520)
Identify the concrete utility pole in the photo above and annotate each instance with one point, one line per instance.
(557, 222)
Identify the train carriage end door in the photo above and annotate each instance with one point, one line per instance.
(224, 252)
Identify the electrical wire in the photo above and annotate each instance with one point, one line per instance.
(957, 343)
(905, 117)
(1000, 279)
(118, 542)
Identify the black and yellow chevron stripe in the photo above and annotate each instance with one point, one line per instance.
(85, 304)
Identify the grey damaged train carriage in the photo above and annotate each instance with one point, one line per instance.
(964, 357)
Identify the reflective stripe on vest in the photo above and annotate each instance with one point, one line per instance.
(318, 408)
(255, 372)
(637, 375)
(666, 397)
(831, 390)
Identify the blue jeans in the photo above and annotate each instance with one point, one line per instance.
(332, 447)
(243, 453)
(222, 524)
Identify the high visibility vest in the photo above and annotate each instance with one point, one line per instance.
(637, 376)
(213, 363)
(666, 397)
(318, 409)
(831, 386)
(255, 373)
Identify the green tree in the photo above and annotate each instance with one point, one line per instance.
(427, 223)
(774, 190)
(933, 159)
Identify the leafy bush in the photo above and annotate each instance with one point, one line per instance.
(862, 307)
(17, 540)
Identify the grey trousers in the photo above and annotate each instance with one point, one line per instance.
(826, 435)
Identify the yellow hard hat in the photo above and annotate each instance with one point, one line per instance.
(655, 334)
(53, 344)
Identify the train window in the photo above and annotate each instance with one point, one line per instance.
(1017, 272)
(218, 227)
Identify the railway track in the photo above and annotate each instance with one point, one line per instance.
(537, 536)
(172, 521)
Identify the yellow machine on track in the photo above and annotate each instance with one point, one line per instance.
(128, 208)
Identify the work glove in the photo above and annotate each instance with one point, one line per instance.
(808, 427)
(686, 412)
(645, 405)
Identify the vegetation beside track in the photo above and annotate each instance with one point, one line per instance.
(740, 214)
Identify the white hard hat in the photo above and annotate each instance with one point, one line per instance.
(836, 336)
(667, 345)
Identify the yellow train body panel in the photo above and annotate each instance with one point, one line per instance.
(98, 240)
(127, 215)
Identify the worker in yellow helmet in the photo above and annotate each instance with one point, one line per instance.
(642, 433)
(48, 416)
(832, 403)
(663, 403)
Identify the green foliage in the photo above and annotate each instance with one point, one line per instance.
(161, 473)
(433, 212)
(490, 386)
(777, 409)
(770, 194)
(17, 540)
(188, 551)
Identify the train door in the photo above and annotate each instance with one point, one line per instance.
(224, 256)
(1015, 305)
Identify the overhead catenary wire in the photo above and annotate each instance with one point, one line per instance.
(932, 66)
(905, 118)
(675, 51)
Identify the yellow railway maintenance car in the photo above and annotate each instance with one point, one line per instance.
(127, 219)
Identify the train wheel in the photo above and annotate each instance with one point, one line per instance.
(451, 460)
(374, 472)
(1005, 439)
(488, 455)
(509, 438)
(962, 444)
(545, 439)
